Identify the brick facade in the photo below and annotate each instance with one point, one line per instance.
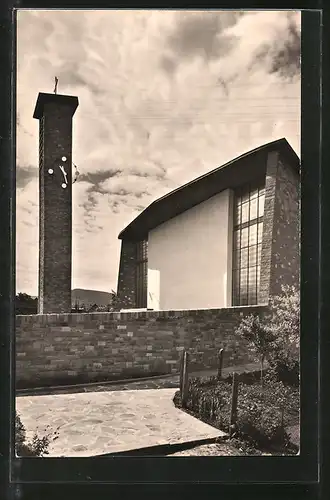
(285, 265)
(55, 203)
(126, 290)
(59, 348)
(268, 227)
(280, 264)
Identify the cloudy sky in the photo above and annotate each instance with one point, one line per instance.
(165, 96)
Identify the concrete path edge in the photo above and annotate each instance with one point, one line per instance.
(49, 389)
(162, 449)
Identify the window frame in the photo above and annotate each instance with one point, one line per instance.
(246, 271)
(141, 273)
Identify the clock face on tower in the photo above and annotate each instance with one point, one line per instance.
(62, 166)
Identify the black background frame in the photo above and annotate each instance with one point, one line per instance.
(258, 477)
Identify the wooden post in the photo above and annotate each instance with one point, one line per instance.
(234, 398)
(220, 363)
(185, 380)
(212, 408)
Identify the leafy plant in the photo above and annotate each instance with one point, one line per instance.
(37, 447)
(284, 323)
(120, 302)
(262, 412)
(259, 337)
(275, 336)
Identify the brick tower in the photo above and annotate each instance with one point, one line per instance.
(55, 113)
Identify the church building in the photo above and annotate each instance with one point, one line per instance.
(228, 238)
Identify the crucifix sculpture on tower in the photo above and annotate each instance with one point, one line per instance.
(56, 82)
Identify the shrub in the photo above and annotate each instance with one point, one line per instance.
(262, 412)
(284, 323)
(275, 337)
(38, 447)
(259, 337)
(25, 304)
(248, 377)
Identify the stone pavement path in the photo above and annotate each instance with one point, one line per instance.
(96, 423)
(108, 418)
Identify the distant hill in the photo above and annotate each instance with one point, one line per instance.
(90, 297)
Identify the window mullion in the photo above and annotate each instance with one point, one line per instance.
(251, 283)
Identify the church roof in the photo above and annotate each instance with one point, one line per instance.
(241, 170)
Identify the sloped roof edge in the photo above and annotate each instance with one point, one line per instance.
(281, 145)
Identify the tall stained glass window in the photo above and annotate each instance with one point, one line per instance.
(141, 273)
(248, 227)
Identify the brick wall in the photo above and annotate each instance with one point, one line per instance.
(58, 348)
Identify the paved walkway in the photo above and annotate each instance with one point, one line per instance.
(109, 418)
(97, 423)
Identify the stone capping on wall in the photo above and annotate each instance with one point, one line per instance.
(105, 317)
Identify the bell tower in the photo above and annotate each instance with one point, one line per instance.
(55, 113)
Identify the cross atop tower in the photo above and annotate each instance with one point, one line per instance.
(56, 83)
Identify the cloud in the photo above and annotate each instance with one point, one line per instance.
(128, 185)
(286, 58)
(164, 96)
(275, 47)
(282, 54)
(27, 220)
(24, 175)
(201, 34)
(168, 64)
(97, 178)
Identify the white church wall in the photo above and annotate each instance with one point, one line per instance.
(190, 257)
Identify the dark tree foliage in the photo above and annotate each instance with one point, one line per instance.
(37, 447)
(25, 304)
